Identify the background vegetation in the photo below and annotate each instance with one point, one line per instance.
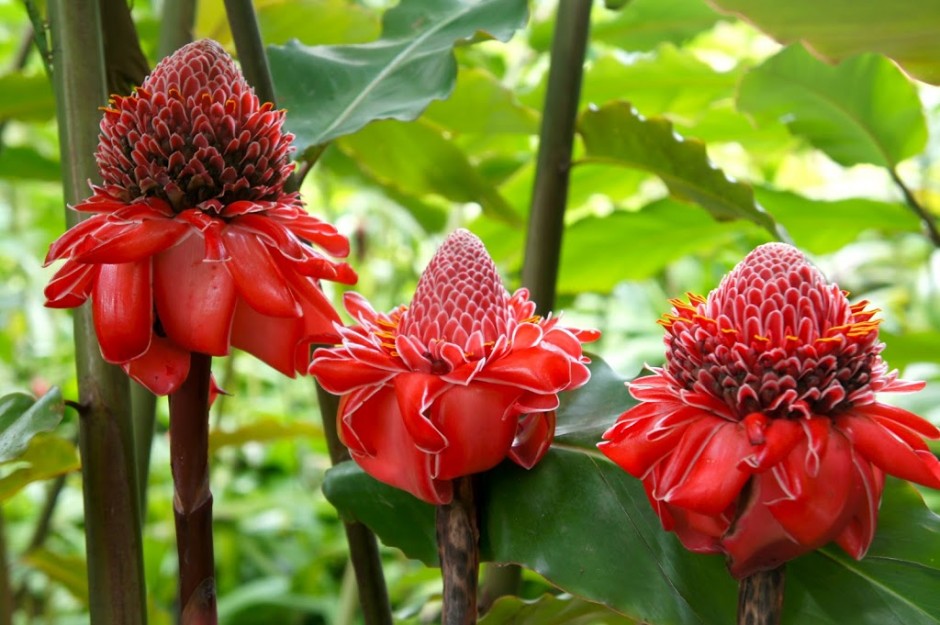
(843, 158)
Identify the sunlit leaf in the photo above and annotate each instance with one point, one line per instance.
(551, 610)
(600, 252)
(263, 431)
(46, 456)
(417, 159)
(22, 163)
(617, 134)
(27, 98)
(22, 417)
(481, 105)
(821, 226)
(904, 30)
(333, 91)
(862, 111)
(644, 24)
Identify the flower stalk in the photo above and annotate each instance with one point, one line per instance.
(760, 597)
(192, 500)
(458, 538)
(112, 532)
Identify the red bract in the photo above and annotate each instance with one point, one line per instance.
(762, 437)
(463, 378)
(194, 245)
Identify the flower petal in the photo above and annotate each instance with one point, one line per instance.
(146, 238)
(534, 436)
(859, 532)
(416, 392)
(195, 298)
(122, 307)
(394, 458)
(533, 369)
(162, 368)
(274, 340)
(71, 285)
(340, 373)
(257, 278)
(887, 451)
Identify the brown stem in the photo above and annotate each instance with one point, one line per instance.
(192, 501)
(760, 598)
(458, 540)
(926, 219)
(363, 548)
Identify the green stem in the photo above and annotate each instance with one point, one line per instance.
(363, 547)
(112, 512)
(926, 219)
(144, 409)
(550, 194)
(244, 24)
(192, 500)
(176, 25)
(6, 591)
(458, 538)
(760, 598)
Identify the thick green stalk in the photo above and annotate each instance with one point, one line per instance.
(244, 25)
(192, 499)
(176, 25)
(6, 592)
(112, 506)
(760, 598)
(363, 547)
(550, 194)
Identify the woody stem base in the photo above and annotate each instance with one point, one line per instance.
(192, 501)
(760, 598)
(458, 540)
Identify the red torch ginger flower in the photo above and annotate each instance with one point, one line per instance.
(194, 245)
(761, 437)
(451, 385)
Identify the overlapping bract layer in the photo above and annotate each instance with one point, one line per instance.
(762, 437)
(194, 246)
(451, 385)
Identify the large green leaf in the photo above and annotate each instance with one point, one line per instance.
(46, 456)
(417, 159)
(26, 98)
(904, 30)
(861, 111)
(821, 226)
(550, 610)
(22, 417)
(617, 134)
(333, 91)
(600, 252)
(263, 430)
(644, 24)
(481, 105)
(19, 163)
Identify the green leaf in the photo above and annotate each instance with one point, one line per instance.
(263, 431)
(903, 30)
(820, 226)
(910, 347)
(18, 163)
(600, 252)
(644, 24)
(551, 610)
(333, 91)
(862, 111)
(69, 571)
(584, 414)
(26, 98)
(47, 456)
(418, 160)
(22, 417)
(617, 134)
(672, 81)
(481, 105)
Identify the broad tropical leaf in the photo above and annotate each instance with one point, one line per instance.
(22, 417)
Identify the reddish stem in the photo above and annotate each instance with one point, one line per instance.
(760, 598)
(458, 540)
(192, 501)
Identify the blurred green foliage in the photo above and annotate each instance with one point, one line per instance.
(817, 144)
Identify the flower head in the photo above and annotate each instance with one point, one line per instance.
(464, 377)
(762, 436)
(194, 245)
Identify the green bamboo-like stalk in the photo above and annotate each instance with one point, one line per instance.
(363, 547)
(112, 513)
(549, 197)
(6, 592)
(177, 22)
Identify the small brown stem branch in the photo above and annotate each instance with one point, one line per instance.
(760, 598)
(458, 540)
(192, 501)
(928, 221)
